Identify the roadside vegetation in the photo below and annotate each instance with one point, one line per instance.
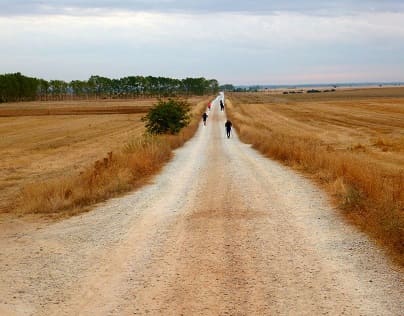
(167, 117)
(351, 142)
(82, 159)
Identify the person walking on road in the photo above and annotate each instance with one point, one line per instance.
(204, 118)
(209, 105)
(221, 105)
(228, 126)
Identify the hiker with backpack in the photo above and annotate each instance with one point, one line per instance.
(221, 105)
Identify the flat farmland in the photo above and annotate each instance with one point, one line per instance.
(45, 140)
(351, 141)
(102, 106)
(362, 121)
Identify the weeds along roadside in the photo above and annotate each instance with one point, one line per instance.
(367, 196)
(116, 173)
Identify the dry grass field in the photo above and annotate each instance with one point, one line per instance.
(352, 142)
(55, 154)
(70, 107)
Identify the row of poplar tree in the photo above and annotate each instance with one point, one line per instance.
(17, 87)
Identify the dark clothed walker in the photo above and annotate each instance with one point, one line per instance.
(228, 126)
(204, 118)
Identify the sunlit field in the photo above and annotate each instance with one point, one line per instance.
(61, 156)
(352, 142)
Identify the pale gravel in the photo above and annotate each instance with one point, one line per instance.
(221, 231)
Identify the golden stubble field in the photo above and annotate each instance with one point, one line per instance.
(351, 141)
(49, 142)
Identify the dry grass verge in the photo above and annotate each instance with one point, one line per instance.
(366, 185)
(118, 172)
(114, 174)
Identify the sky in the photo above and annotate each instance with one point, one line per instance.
(233, 41)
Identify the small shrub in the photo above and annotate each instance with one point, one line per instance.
(167, 117)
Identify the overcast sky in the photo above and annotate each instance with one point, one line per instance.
(239, 42)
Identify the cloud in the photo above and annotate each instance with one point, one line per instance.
(283, 47)
(86, 7)
(233, 41)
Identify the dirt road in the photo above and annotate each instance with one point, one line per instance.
(222, 231)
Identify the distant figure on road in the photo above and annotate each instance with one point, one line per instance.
(204, 118)
(209, 105)
(221, 105)
(228, 126)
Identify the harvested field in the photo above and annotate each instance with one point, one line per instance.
(36, 147)
(82, 107)
(352, 141)
(48, 142)
(73, 111)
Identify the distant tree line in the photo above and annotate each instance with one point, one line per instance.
(227, 87)
(17, 87)
(231, 88)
